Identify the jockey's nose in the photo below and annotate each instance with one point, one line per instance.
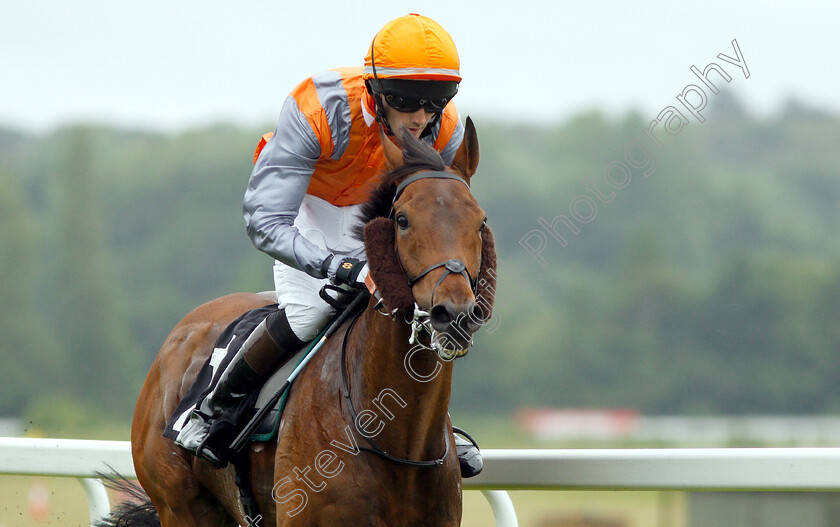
(419, 116)
(466, 319)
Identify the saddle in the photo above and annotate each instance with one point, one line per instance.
(271, 422)
(226, 347)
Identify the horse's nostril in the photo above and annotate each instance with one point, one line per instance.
(441, 317)
(476, 319)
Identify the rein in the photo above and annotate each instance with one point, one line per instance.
(374, 448)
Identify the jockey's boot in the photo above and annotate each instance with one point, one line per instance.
(469, 456)
(266, 349)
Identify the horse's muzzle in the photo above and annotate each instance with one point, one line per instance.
(456, 325)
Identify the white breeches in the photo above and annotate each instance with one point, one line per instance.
(329, 227)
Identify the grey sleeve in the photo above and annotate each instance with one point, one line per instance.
(276, 189)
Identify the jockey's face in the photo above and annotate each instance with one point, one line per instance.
(415, 122)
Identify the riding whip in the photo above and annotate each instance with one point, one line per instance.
(243, 437)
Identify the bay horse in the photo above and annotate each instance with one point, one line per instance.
(381, 385)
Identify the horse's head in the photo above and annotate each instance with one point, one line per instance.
(427, 242)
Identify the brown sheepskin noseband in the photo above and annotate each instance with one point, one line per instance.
(392, 283)
(485, 290)
(384, 267)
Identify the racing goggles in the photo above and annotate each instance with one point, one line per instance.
(402, 103)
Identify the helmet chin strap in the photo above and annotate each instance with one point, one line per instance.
(379, 113)
(376, 94)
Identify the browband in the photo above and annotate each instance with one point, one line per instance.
(434, 174)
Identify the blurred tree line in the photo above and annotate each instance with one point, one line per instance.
(711, 285)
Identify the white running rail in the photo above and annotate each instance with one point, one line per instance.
(83, 459)
(773, 469)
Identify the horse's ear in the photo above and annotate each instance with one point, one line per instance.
(393, 153)
(466, 158)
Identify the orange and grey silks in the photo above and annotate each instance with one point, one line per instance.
(327, 144)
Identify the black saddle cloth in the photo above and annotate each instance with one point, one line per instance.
(224, 429)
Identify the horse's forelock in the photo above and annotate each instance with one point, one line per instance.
(417, 153)
(417, 156)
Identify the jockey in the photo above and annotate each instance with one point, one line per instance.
(308, 183)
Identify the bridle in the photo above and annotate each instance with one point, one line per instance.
(419, 322)
(451, 266)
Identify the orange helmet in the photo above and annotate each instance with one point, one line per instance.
(412, 47)
(412, 62)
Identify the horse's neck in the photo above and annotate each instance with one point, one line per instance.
(409, 397)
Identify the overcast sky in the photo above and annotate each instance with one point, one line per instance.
(174, 65)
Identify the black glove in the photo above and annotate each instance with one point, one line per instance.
(348, 272)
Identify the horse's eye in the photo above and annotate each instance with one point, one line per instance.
(402, 221)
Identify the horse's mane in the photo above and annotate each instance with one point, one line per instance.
(417, 156)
